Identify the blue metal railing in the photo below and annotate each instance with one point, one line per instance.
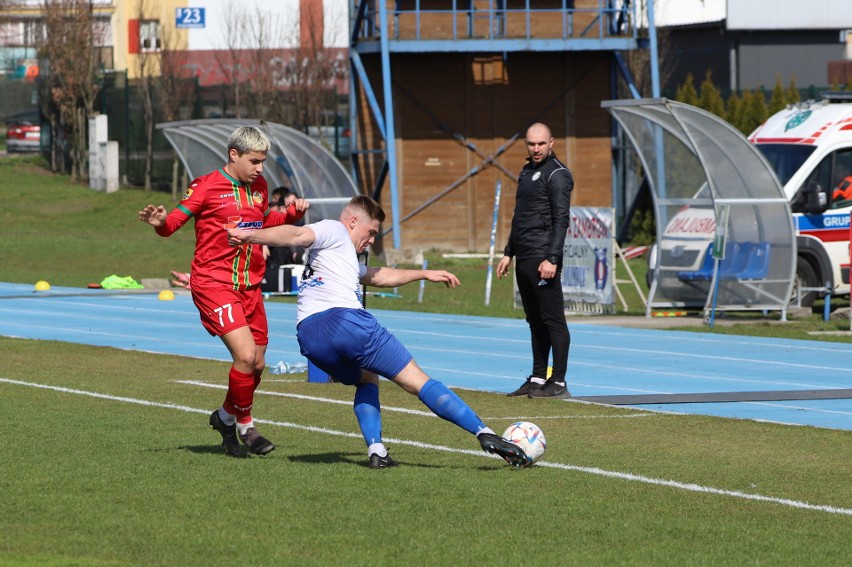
(498, 19)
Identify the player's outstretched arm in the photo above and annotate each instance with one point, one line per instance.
(393, 277)
(282, 235)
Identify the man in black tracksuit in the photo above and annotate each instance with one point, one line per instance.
(539, 226)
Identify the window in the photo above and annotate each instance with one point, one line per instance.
(841, 187)
(149, 35)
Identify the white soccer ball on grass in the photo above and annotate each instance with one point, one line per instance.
(529, 437)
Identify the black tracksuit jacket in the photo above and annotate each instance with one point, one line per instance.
(542, 211)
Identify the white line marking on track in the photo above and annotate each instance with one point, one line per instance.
(669, 353)
(690, 487)
(542, 417)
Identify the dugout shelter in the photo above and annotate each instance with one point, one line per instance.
(295, 160)
(725, 235)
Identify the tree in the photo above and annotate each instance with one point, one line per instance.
(264, 66)
(295, 86)
(175, 86)
(792, 93)
(777, 101)
(71, 52)
(686, 93)
(733, 109)
(229, 59)
(711, 99)
(638, 61)
(742, 121)
(146, 69)
(311, 77)
(755, 112)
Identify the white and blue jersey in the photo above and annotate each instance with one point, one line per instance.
(334, 330)
(332, 273)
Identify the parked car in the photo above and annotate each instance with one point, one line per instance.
(23, 132)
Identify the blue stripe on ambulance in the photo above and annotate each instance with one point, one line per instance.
(822, 222)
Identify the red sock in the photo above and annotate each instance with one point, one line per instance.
(240, 396)
(257, 374)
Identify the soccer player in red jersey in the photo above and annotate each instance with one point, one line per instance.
(225, 281)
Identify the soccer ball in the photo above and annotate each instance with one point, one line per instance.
(529, 437)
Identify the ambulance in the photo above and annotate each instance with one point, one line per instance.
(809, 145)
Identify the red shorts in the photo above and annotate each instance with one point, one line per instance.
(222, 310)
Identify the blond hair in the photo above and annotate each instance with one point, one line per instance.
(248, 139)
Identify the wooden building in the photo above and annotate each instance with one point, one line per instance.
(465, 80)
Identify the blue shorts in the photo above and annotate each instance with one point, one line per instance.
(341, 341)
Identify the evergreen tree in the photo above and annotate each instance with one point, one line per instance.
(791, 95)
(711, 99)
(756, 113)
(741, 121)
(686, 93)
(777, 101)
(733, 109)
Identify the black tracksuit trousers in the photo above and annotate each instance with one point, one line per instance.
(544, 307)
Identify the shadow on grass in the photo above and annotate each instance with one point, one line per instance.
(358, 459)
(206, 450)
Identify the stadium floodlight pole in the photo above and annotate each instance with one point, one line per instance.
(491, 246)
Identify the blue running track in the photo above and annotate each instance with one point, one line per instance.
(480, 353)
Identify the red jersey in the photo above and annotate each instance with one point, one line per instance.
(215, 200)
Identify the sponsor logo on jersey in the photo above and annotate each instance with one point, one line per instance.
(188, 193)
(313, 282)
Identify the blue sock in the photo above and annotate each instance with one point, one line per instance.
(447, 405)
(367, 411)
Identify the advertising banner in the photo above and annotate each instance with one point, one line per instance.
(588, 265)
(589, 260)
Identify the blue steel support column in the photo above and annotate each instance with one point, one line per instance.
(390, 134)
(361, 74)
(662, 220)
(655, 64)
(353, 123)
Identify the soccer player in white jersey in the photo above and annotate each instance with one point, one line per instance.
(341, 338)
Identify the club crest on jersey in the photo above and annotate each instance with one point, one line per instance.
(257, 198)
(536, 175)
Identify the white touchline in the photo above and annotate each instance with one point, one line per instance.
(403, 410)
(304, 397)
(589, 470)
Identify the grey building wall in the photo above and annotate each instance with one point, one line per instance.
(764, 56)
(750, 59)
